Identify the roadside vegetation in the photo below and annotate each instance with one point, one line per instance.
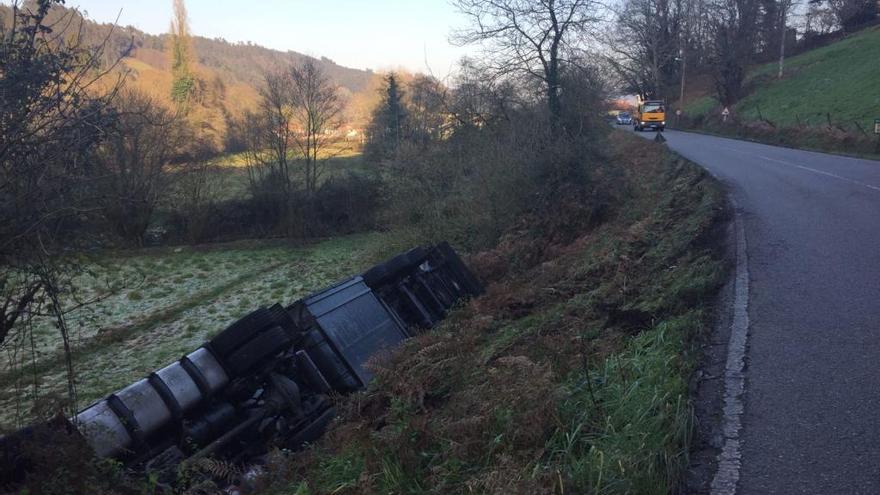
(569, 376)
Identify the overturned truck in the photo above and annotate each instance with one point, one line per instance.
(266, 380)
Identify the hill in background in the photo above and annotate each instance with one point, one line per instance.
(228, 74)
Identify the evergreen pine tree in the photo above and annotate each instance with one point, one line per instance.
(387, 126)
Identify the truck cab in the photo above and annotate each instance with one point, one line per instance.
(651, 114)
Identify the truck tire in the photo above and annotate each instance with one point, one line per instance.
(263, 346)
(376, 276)
(241, 331)
(393, 268)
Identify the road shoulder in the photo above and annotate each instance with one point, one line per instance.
(707, 383)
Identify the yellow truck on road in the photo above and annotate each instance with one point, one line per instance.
(650, 114)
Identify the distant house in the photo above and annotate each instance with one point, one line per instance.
(355, 135)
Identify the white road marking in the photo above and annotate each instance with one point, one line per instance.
(808, 169)
(726, 477)
(821, 172)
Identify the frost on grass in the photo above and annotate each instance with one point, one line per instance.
(126, 290)
(183, 300)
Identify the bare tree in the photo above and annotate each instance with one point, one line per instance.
(198, 188)
(316, 110)
(477, 100)
(852, 13)
(818, 18)
(269, 141)
(270, 134)
(132, 163)
(269, 137)
(733, 30)
(645, 44)
(427, 109)
(531, 38)
(296, 130)
(52, 116)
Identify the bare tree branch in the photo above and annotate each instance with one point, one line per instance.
(528, 37)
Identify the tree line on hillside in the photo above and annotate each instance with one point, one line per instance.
(223, 77)
(653, 43)
(235, 61)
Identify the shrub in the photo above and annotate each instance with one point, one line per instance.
(341, 205)
(474, 186)
(347, 204)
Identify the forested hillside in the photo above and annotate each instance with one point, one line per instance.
(227, 75)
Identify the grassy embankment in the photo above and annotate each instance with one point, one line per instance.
(569, 376)
(155, 305)
(827, 100)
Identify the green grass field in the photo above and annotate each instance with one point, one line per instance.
(156, 305)
(230, 177)
(337, 151)
(701, 106)
(841, 80)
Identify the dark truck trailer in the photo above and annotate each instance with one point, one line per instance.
(266, 379)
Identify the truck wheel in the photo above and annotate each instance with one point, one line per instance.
(393, 268)
(242, 331)
(264, 345)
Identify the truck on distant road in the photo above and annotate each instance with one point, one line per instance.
(650, 114)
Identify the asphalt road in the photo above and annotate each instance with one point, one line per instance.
(811, 417)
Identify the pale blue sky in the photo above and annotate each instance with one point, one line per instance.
(376, 34)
